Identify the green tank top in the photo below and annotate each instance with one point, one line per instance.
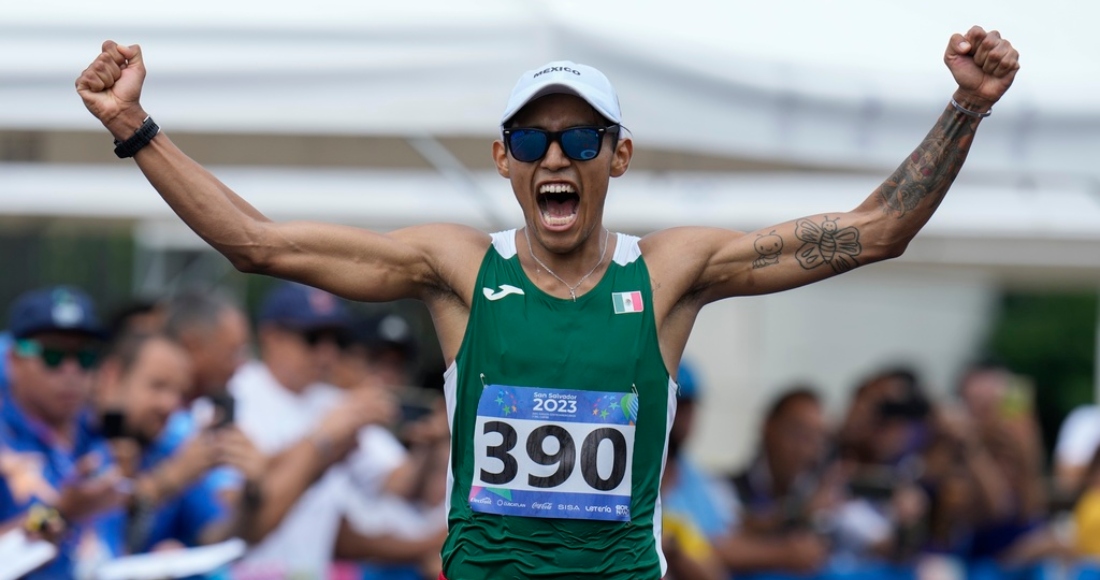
(560, 413)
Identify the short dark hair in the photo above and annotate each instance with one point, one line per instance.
(905, 374)
(789, 397)
(195, 309)
(983, 364)
(127, 348)
(119, 323)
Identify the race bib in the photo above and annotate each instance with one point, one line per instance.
(553, 453)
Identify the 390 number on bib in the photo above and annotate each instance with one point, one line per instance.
(553, 453)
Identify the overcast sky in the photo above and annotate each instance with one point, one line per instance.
(817, 47)
(1057, 37)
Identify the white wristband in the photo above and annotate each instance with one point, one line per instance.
(968, 112)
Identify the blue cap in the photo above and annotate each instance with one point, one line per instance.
(301, 307)
(689, 390)
(387, 331)
(53, 309)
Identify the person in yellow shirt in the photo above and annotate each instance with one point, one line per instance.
(1086, 513)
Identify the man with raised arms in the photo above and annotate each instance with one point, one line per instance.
(559, 336)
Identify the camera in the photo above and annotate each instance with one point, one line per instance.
(224, 410)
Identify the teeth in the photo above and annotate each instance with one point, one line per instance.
(551, 220)
(557, 188)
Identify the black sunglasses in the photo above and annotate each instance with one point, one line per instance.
(54, 357)
(316, 337)
(578, 143)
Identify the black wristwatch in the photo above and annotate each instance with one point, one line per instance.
(139, 139)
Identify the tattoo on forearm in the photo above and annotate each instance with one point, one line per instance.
(931, 168)
(827, 244)
(769, 246)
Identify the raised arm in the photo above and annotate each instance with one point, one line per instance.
(348, 261)
(812, 248)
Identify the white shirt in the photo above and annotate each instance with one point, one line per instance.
(395, 516)
(275, 419)
(1079, 436)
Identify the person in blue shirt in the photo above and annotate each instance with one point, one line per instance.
(697, 511)
(180, 498)
(5, 346)
(49, 453)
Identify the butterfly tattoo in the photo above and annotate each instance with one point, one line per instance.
(827, 244)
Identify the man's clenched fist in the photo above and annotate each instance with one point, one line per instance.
(111, 88)
(983, 64)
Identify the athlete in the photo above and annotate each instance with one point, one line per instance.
(561, 338)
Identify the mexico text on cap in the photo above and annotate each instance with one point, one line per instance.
(567, 77)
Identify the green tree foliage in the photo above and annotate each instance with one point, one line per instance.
(1051, 338)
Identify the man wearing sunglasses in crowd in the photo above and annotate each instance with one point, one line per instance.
(562, 338)
(56, 474)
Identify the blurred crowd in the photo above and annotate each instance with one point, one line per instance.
(904, 486)
(185, 422)
(160, 430)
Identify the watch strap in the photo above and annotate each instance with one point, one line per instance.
(138, 140)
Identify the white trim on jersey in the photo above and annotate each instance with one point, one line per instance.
(626, 249)
(657, 524)
(450, 396)
(505, 243)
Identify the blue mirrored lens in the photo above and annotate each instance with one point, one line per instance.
(528, 145)
(582, 143)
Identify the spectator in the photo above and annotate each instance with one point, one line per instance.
(176, 499)
(392, 349)
(215, 333)
(309, 429)
(380, 351)
(1086, 513)
(49, 455)
(5, 346)
(694, 510)
(1077, 443)
(413, 513)
(888, 421)
(955, 464)
(775, 531)
(353, 367)
(141, 316)
(881, 444)
(1000, 405)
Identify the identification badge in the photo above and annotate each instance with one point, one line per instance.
(554, 453)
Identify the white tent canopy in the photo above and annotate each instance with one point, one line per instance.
(979, 225)
(853, 84)
(848, 83)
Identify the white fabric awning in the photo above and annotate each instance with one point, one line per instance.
(1047, 225)
(854, 83)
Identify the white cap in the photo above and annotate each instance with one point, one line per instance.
(563, 76)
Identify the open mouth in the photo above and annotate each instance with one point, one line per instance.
(558, 204)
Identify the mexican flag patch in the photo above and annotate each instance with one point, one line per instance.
(627, 302)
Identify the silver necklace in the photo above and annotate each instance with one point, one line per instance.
(573, 288)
